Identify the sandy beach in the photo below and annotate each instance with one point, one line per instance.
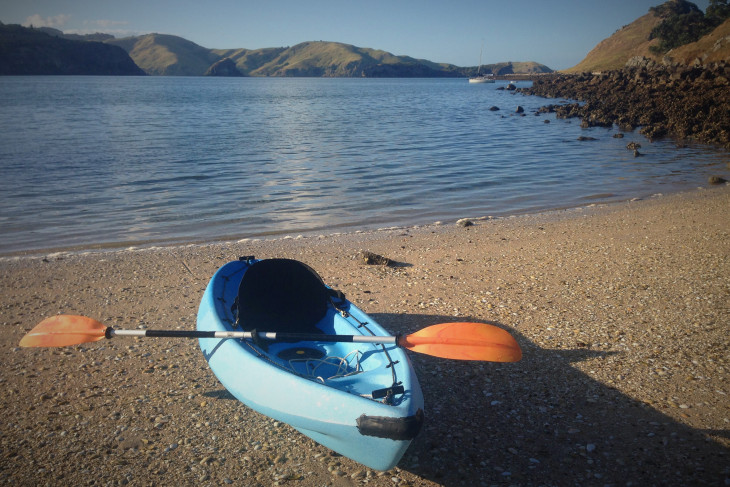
(622, 312)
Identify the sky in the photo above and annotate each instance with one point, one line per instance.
(557, 33)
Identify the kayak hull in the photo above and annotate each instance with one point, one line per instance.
(360, 400)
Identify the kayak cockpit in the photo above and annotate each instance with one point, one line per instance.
(283, 295)
(359, 398)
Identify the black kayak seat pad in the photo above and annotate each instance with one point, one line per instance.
(282, 295)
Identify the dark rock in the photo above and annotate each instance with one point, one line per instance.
(584, 138)
(371, 258)
(637, 153)
(633, 146)
(653, 132)
(493, 109)
(663, 99)
(519, 109)
(716, 180)
(618, 136)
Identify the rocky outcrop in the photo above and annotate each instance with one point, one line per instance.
(682, 102)
(224, 67)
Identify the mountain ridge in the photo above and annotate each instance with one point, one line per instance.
(166, 55)
(169, 55)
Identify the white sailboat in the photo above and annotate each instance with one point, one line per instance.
(481, 78)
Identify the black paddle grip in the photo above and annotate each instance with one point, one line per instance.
(180, 333)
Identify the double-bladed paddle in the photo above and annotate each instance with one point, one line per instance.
(460, 341)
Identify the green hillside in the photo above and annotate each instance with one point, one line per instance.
(334, 59)
(712, 48)
(167, 55)
(26, 51)
(627, 42)
(249, 60)
(642, 38)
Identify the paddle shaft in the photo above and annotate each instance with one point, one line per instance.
(298, 337)
(459, 341)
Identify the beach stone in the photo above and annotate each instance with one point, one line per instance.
(716, 180)
(371, 258)
(465, 222)
(280, 459)
(131, 443)
(493, 109)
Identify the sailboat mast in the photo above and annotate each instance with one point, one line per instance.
(479, 69)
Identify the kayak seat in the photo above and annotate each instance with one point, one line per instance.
(281, 295)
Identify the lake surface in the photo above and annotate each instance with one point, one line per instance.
(121, 161)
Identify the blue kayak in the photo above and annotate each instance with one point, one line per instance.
(361, 400)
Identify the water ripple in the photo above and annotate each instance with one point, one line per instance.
(105, 160)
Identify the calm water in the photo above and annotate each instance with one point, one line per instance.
(118, 161)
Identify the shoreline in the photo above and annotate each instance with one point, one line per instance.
(344, 229)
(621, 311)
(116, 247)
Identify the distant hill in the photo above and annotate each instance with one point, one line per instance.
(503, 69)
(98, 37)
(634, 40)
(25, 51)
(38, 51)
(165, 55)
(334, 59)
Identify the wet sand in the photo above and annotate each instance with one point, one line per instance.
(621, 310)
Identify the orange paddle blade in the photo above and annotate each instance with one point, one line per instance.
(464, 341)
(64, 330)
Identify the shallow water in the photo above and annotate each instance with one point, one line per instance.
(118, 161)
